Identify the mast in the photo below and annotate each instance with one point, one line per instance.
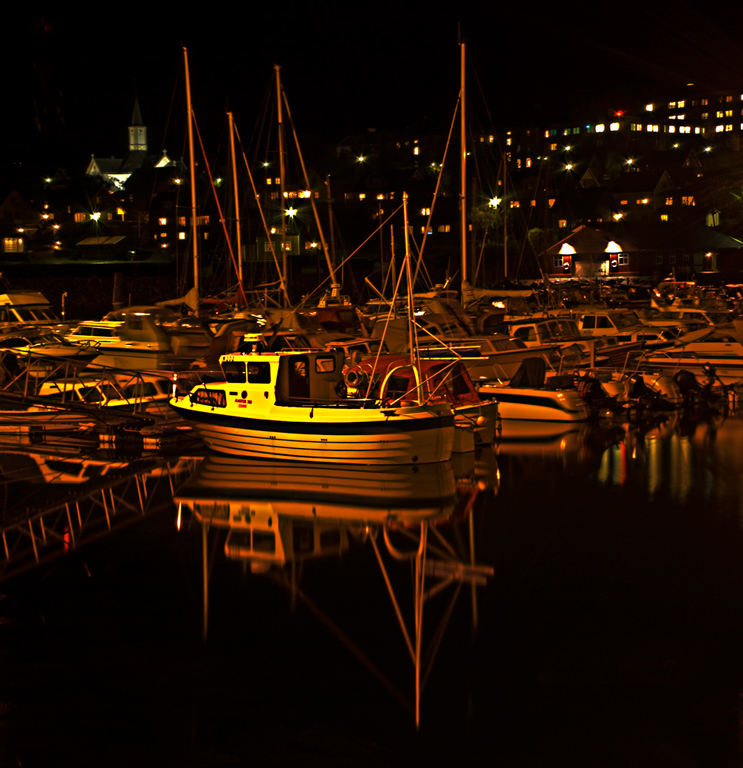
(463, 187)
(192, 163)
(412, 331)
(282, 172)
(237, 202)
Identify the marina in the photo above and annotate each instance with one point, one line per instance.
(575, 596)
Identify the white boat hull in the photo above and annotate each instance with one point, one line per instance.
(410, 435)
(537, 404)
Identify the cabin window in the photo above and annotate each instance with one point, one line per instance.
(234, 372)
(259, 373)
(589, 321)
(264, 541)
(213, 397)
(324, 365)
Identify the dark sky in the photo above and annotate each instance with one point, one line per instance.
(72, 74)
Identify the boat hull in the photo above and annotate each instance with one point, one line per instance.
(537, 404)
(408, 435)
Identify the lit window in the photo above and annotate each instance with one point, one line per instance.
(562, 224)
(664, 217)
(181, 221)
(728, 98)
(80, 217)
(704, 102)
(181, 235)
(515, 204)
(444, 227)
(380, 196)
(553, 147)
(533, 203)
(681, 104)
(719, 128)
(551, 202)
(491, 139)
(669, 201)
(508, 142)
(671, 105)
(163, 222)
(718, 114)
(599, 128)
(528, 162)
(648, 107)
(614, 127)
(688, 200)
(623, 202)
(671, 129)
(416, 150)
(728, 127)
(425, 211)
(362, 196)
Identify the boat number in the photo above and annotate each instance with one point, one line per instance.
(323, 439)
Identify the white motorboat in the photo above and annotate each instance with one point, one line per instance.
(532, 396)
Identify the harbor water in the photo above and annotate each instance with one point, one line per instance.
(572, 597)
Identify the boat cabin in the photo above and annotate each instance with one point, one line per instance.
(299, 376)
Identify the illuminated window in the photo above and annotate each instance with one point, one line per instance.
(671, 129)
(163, 222)
(704, 102)
(551, 202)
(643, 201)
(181, 221)
(380, 197)
(688, 200)
(648, 107)
(705, 115)
(13, 244)
(202, 221)
(671, 105)
(728, 113)
(515, 204)
(181, 235)
(491, 139)
(599, 128)
(444, 227)
(546, 134)
(718, 113)
(508, 142)
(362, 196)
(652, 129)
(728, 98)
(719, 128)
(562, 224)
(553, 147)
(518, 162)
(528, 162)
(664, 217)
(669, 201)
(728, 127)
(533, 203)
(80, 217)
(614, 127)
(623, 202)
(425, 211)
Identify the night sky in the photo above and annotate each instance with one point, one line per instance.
(73, 74)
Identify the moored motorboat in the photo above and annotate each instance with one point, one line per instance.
(291, 405)
(530, 396)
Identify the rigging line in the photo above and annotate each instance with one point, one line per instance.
(219, 208)
(263, 219)
(307, 183)
(350, 255)
(438, 183)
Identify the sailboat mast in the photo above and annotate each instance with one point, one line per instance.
(282, 173)
(237, 202)
(463, 187)
(192, 163)
(412, 331)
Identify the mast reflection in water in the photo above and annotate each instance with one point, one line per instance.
(573, 597)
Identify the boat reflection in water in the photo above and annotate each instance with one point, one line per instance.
(275, 517)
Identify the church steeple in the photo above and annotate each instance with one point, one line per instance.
(137, 130)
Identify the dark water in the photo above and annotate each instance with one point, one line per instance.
(608, 632)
